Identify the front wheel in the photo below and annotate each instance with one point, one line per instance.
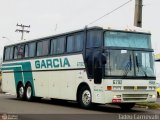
(85, 97)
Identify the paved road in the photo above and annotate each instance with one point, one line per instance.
(47, 109)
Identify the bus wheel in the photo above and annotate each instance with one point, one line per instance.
(28, 92)
(20, 92)
(127, 106)
(85, 97)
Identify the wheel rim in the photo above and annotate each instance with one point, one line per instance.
(86, 97)
(29, 92)
(21, 91)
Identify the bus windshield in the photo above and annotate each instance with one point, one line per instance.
(129, 63)
(125, 62)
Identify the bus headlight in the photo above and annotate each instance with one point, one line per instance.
(152, 96)
(117, 87)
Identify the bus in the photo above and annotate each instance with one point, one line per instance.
(92, 65)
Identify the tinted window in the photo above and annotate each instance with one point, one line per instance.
(70, 44)
(32, 48)
(15, 53)
(7, 51)
(11, 53)
(57, 45)
(19, 51)
(126, 39)
(75, 43)
(79, 42)
(94, 38)
(26, 51)
(42, 48)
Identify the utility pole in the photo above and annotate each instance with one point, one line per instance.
(22, 30)
(138, 13)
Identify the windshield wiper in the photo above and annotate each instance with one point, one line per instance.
(137, 64)
(128, 67)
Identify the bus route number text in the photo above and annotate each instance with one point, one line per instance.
(117, 82)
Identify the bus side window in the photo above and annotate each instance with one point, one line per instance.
(32, 49)
(7, 51)
(26, 54)
(15, 52)
(70, 44)
(75, 43)
(94, 38)
(19, 52)
(57, 45)
(79, 38)
(11, 53)
(43, 48)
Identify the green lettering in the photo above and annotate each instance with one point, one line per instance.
(60, 62)
(66, 63)
(43, 65)
(55, 63)
(37, 64)
(49, 63)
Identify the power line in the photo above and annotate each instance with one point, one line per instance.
(110, 12)
(22, 30)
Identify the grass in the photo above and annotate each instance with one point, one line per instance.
(149, 105)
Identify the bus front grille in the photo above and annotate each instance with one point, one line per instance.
(133, 87)
(134, 97)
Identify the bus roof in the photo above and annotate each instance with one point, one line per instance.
(109, 28)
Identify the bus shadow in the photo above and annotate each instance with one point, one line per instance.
(71, 104)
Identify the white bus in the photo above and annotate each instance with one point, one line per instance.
(91, 65)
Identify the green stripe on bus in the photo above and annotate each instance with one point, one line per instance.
(21, 76)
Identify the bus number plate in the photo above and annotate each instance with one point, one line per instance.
(117, 82)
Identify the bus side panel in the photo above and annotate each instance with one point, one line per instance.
(8, 83)
(62, 85)
(41, 80)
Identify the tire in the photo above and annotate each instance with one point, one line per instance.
(28, 92)
(127, 106)
(85, 97)
(21, 92)
(158, 94)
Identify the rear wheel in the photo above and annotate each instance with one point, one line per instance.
(85, 97)
(20, 92)
(158, 94)
(28, 92)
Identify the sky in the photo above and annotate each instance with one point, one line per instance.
(49, 17)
